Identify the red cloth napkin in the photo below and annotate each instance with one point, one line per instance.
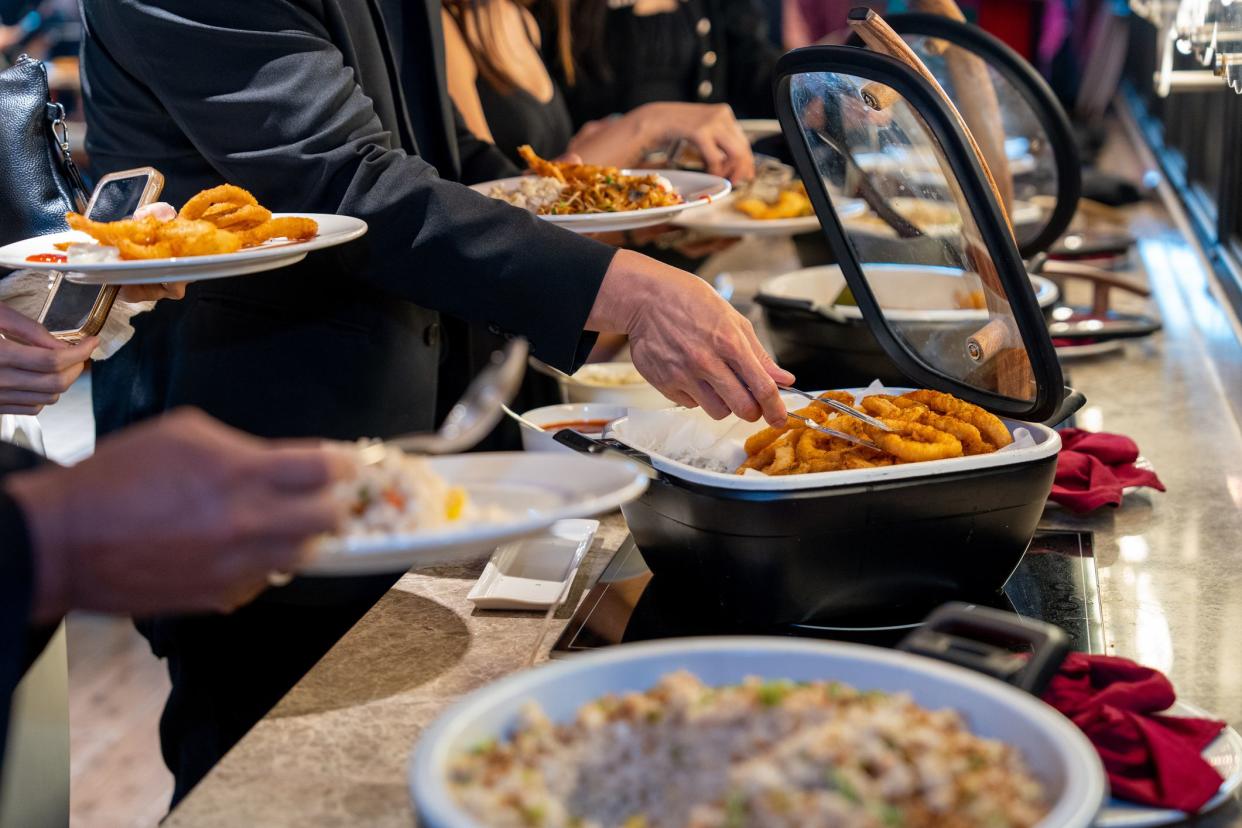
(1093, 469)
(1150, 759)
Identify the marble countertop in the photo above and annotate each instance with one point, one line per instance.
(334, 751)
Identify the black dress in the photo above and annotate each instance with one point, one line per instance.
(705, 51)
(518, 117)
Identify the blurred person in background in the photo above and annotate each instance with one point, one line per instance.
(621, 54)
(497, 79)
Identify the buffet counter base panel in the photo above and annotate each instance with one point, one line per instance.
(1054, 749)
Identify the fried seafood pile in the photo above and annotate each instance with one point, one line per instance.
(925, 425)
(223, 219)
(586, 188)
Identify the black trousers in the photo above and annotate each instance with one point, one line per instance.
(228, 671)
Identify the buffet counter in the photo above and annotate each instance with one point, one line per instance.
(335, 750)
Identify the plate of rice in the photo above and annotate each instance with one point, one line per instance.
(729, 732)
(408, 511)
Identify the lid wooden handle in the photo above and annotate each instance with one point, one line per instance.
(944, 8)
(1014, 377)
(878, 35)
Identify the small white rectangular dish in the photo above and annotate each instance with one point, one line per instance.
(534, 573)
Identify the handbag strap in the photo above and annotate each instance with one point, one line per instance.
(60, 134)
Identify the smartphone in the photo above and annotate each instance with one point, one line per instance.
(73, 312)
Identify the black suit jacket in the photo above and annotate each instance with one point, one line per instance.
(333, 106)
(16, 585)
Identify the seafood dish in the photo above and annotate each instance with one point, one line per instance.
(560, 189)
(790, 201)
(773, 753)
(223, 219)
(923, 425)
(400, 494)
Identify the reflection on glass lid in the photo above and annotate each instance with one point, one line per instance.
(868, 142)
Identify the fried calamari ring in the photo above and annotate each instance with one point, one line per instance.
(198, 205)
(763, 438)
(293, 228)
(150, 238)
(882, 405)
(915, 443)
(989, 425)
(140, 231)
(237, 218)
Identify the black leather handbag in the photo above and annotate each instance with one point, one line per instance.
(39, 182)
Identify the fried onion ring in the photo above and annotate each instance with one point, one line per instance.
(198, 205)
(293, 228)
(989, 425)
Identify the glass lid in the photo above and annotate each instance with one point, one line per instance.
(1020, 127)
(863, 126)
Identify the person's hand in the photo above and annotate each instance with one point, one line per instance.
(710, 128)
(35, 367)
(687, 341)
(713, 131)
(152, 293)
(180, 514)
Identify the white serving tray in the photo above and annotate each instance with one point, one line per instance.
(725, 438)
(535, 573)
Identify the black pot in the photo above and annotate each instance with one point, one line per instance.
(891, 545)
(890, 550)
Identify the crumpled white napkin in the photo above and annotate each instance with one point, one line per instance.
(26, 291)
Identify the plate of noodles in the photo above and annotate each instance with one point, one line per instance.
(409, 510)
(587, 198)
(220, 232)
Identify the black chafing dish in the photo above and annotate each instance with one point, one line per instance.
(818, 547)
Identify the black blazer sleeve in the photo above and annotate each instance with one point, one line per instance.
(266, 98)
(16, 587)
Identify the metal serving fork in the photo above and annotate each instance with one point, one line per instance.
(837, 406)
(832, 432)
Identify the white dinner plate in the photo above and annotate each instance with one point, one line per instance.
(532, 489)
(756, 128)
(333, 230)
(1224, 754)
(1106, 346)
(698, 189)
(721, 219)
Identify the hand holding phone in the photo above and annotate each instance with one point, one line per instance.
(36, 367)
(75, 311)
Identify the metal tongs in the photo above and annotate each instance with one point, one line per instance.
(473, 417)
(841, 408)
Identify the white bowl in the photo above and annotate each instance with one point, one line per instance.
(1055, 750)
(643, 394)
(542, 440)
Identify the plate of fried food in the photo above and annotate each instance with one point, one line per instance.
(222, 231)
(929, 432)
(773, 203)
(587, 198)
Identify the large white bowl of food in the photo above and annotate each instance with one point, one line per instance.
(780, 733)
(616, 383)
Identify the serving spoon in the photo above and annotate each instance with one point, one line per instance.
(474, 415)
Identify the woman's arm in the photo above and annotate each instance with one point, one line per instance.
(711, 128)
(462, 76)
